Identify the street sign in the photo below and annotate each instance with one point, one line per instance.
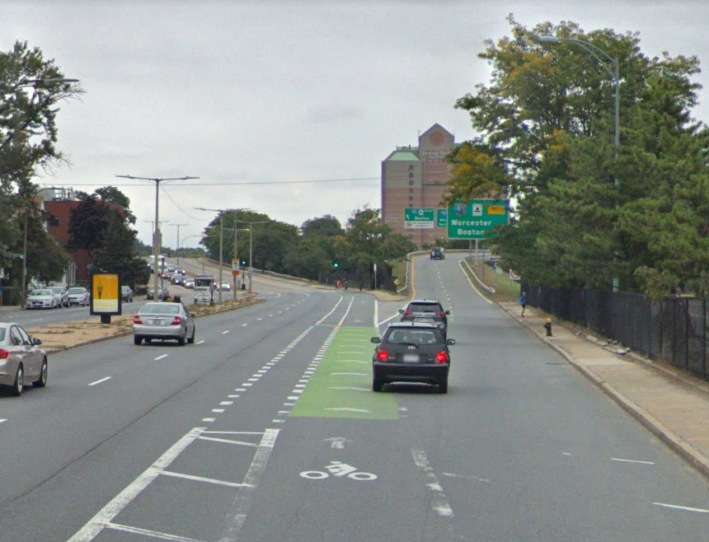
(442, 218)
(235, 267)
(476, 219)
(417, 219)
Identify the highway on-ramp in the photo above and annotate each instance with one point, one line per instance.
(267, 430)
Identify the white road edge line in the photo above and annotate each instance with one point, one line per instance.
(99, 522)
(376, 312)
(339, 324)
(685, 508)
(460, 264)
(99, 381)
(632, 461)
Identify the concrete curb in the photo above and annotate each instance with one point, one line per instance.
(690, 454)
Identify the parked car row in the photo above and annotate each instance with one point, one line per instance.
(55, 297)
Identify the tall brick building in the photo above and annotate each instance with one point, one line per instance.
(416, 177)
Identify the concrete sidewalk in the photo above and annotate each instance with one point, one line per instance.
(675, 407)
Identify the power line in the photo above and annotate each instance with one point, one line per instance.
(245, 183)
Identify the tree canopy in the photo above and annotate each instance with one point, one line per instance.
(586, 212)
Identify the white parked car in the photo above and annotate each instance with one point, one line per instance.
(226, 287)
(62, 295)
(42, 298)
(79, 296)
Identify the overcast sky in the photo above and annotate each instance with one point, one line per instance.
(283, 92)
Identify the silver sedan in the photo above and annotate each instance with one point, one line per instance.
(22, 361)
(164, 321)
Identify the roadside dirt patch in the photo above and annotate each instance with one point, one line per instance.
(60, 337)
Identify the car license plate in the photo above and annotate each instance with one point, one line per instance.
(411, 358)
(425, 320)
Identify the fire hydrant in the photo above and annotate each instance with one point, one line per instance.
(547, 326)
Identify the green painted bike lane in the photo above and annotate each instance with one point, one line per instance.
(341, 386)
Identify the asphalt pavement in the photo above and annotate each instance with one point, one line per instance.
(267, 429)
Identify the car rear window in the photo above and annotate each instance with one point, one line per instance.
(76, 291)
(412, 336)
(425, 307)
(161, 308)
(2, 334)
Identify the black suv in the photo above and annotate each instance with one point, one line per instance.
(428, 312)
(437, 254)
(411, 352)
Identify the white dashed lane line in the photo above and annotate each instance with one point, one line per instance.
(99, 381)
(1, 421)
(200, 342)
(161, 357)
(225, 332)
(244, 325)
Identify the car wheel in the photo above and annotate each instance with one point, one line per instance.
(377, 385)
(137, 340)
(43, 374)
(19, 384)
(181, 340)
(191, 339)
(443, 386)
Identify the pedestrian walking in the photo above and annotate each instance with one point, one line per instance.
(523, 301)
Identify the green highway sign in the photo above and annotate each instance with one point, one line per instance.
(442, 218)
(415, 218)
(476, 219)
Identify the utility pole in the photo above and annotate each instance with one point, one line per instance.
(177, 251)
(156, 232)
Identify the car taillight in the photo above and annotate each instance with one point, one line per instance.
(4, 354)
(441, 357)
(382, 355)
(408, 313)
(176, 321)
(441, 314)
(137, 320)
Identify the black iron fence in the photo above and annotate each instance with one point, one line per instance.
(674, 330)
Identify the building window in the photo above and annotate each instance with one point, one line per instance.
(411, 167)
(411, 183)
(411, 174)
(411, 199)
(411, 190)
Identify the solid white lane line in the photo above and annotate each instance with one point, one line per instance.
(202, 479)
(149, 533)
(99, 381)
(376, 312)
(329, 313)
(96, 524)
(244, 498)
(471, 283)
(339, 324)
(161, 357)
(632, 461)
(685, 508)
(227, 441)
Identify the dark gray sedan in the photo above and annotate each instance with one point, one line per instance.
(22, 361)
(164, 321)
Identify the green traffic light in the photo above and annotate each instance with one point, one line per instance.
(336, 265)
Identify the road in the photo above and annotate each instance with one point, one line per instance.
(267, 430)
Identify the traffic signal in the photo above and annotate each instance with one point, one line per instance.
(335, 265)
(243, 262)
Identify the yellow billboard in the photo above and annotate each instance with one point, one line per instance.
(105, 294)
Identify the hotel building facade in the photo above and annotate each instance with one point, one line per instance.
(416, 178)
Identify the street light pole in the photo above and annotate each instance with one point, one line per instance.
(600, 55)
(156, 232)
(177, 252)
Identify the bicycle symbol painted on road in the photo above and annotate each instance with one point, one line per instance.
(338, 469)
